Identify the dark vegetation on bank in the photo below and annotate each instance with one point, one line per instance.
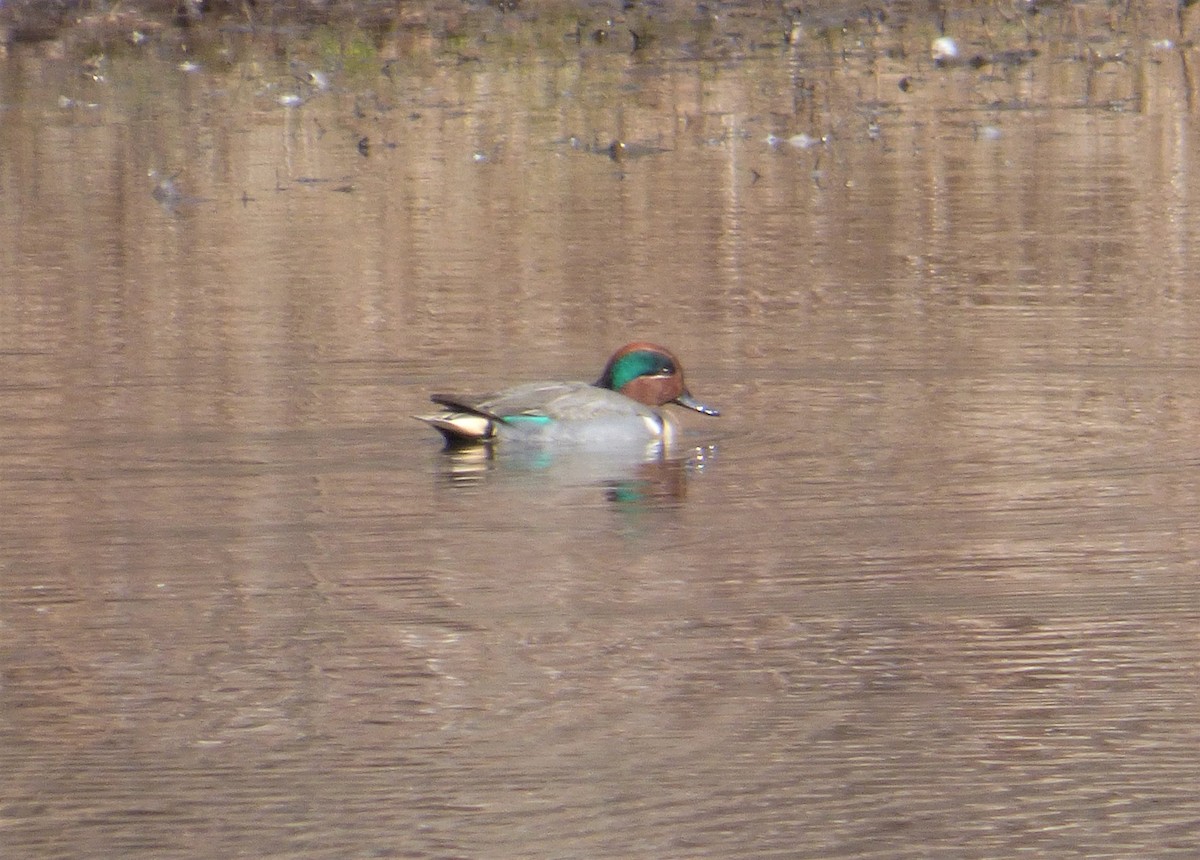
(1004, 32)
(44, 20)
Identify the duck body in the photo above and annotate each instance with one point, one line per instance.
(621, 408)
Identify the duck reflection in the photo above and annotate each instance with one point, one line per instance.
(641, 476)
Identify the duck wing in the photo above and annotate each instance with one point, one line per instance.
(472, 418)
(463, 403)
(531, 401)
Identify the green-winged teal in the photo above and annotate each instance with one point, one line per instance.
(619, 408)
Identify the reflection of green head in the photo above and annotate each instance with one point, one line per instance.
(623, 369)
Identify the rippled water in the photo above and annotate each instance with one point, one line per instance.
(927, 588)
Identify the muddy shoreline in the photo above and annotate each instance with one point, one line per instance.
(635, 23)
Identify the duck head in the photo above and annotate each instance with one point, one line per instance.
(649, 374)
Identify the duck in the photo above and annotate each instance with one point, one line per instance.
(623, 406)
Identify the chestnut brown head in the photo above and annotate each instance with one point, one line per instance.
(649, 374)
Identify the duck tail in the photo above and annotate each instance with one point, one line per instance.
(461, 427)
(466, 422)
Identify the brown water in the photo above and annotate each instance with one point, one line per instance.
(927, 589)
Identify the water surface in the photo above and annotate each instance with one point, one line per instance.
(926, 589)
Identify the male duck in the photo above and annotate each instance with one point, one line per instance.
(621, 407)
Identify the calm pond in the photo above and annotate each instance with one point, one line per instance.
(926, 589)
